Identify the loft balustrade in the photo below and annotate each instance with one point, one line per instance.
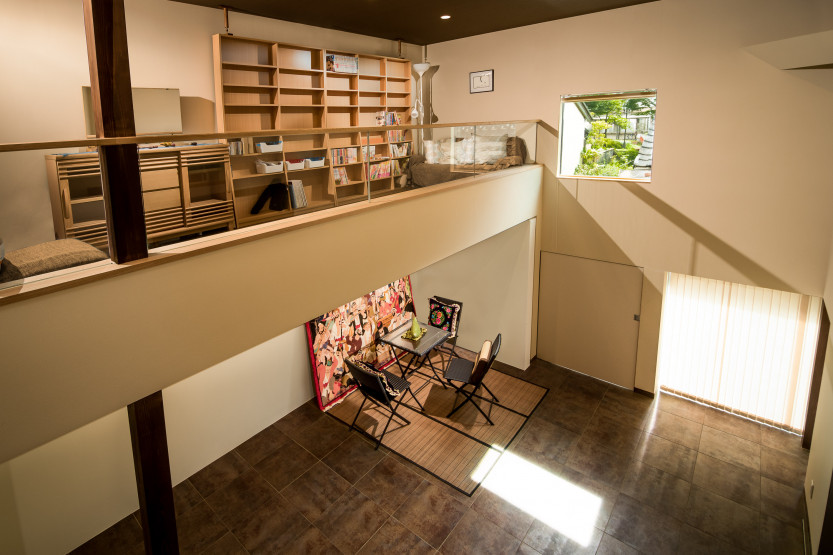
(206, 191)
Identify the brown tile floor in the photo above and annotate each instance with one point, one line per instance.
(671, 476)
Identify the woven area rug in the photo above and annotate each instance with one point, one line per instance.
(459, 450)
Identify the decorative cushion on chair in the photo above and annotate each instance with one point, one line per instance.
(481, 363)
(485, 351)
(443, 316)
(393, 392)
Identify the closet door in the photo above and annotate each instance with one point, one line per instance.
(587, 316)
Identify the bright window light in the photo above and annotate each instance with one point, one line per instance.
(445, 17)
(746, 349)
(553, 500)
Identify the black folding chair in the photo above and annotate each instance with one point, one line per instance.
(472, 373)
(381, 388)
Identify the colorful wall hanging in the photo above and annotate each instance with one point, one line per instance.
(353, 331)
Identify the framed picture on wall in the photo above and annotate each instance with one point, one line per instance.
(482, 81)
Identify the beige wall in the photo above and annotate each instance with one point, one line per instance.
(45, 65)
(741, 191)
(735, 194)
(55, 497)
(75, 355)
(493, 279)
(65, 492)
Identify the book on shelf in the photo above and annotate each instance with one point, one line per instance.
(243, 145)
(400, 150)
(348, 155)
(340, 176)
(397, 168)
(379, 170)
(397, 136)
(297, 196)
(342, 64)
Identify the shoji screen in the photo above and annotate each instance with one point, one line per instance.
(745, 349)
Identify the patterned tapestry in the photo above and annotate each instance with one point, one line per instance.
(353, 331)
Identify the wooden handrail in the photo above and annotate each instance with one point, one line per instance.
(80, 275)
(180, 138)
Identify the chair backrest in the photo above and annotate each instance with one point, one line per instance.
(481, 367)
(369, 383)
(457, 316)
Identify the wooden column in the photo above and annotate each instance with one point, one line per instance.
(153, 474)
(112, 98)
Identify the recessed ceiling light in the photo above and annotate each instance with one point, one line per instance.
(445, 17)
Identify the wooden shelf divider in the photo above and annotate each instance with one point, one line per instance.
(262, 85)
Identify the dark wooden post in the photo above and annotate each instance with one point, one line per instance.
(153, 474)
(112, 98)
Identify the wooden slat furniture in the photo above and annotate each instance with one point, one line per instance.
(184, 190)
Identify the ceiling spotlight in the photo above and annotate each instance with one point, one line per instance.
(445, 17)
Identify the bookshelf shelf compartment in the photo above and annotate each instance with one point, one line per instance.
(263, 85)
(252, 67)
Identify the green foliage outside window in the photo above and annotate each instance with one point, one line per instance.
(603, 156)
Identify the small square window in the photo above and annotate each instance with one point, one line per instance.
(608, 136)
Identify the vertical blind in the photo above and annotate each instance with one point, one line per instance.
(745, 349)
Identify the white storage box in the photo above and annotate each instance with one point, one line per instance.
(315, 162)
(268, 167)
(272, 146)
(295, 164)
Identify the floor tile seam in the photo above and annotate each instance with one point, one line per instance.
(623, 425)
(738, 466)
(414, 532)
(361, 438)
(655, 467)
(725, 499)
(603, 447)
(373, 535)
(453, 528)
(257, 506)
(523, 542)
(623, 540)
(678, 415)
(805, 453)
(486, 516)
(207, 504)
(757, 443)
(719, 494)
(675, 441)
(305, 449)
(775, 479)
(638, 502)
(652, 508)
(321, 458)
(794, 524)
(706, 532)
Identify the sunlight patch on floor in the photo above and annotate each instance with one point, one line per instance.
(551, 499)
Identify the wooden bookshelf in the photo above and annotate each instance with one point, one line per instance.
(263, 85)
(185, 190)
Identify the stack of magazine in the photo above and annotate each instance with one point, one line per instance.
(297, 196)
